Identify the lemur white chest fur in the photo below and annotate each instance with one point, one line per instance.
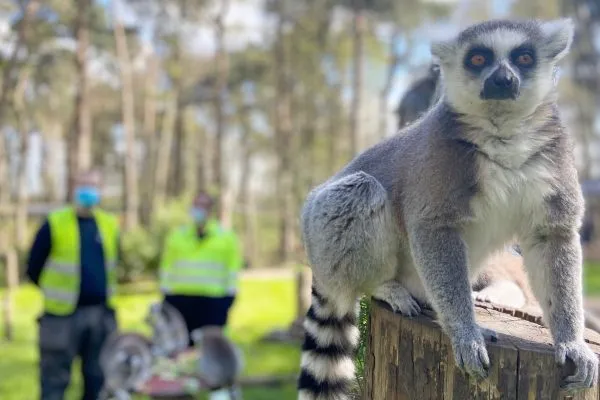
(512, 184)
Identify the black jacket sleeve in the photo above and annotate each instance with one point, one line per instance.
(40, 249)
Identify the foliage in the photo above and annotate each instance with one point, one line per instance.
(18, 365)
(363, 328)
(140, 252)
(141, 247)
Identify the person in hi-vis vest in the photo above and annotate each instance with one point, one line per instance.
(199, 268)
(72, 260)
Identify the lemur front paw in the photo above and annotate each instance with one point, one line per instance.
(586, 365)
(471, 354)
(394, 294)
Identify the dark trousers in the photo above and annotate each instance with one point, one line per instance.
(61, 339)
(201, 311)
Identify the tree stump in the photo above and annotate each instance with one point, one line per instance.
(412, 359)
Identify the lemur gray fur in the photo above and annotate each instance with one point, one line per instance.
(408, 220)
(502, 279)
(220, 362)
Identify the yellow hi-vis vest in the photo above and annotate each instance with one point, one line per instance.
(61, 275)
(201, 267)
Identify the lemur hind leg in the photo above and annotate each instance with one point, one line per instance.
(352, 245)
(396, 295)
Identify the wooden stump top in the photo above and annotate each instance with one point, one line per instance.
(412, 359)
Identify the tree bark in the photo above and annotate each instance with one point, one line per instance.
(6, 96)
(283, 138)
(150, 139)
(245, 198)
(131, 166)
(177, 164)
(358, 29)
(22, 192)
(202, 161)
(79, 146)
(52, 131)
(161, 173)
(221, 72)
(412, 358)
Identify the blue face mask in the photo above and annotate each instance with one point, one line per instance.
(87, 196)
(198, 214)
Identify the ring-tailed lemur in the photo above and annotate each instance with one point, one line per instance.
(408, 219)
(220, 362)
(422, 94)
(502, 279)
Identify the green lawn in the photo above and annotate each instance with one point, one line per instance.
(591, 279)
(261, 306)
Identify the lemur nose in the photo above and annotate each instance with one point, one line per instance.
(502, 79)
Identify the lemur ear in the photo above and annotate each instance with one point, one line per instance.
(442, 51)
(557, 37)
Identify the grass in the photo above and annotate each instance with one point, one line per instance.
(261, 306)
(591, 279)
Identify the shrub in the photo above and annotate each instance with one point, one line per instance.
(142, 247)
(140, 253)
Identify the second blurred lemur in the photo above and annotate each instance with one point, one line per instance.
(220, 362)
(503, 279)
(422, 94)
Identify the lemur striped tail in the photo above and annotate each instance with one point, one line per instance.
(331, 338)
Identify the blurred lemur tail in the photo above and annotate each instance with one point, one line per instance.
(331, 338)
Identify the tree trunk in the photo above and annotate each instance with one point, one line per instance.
(221, 72)
(22, 192)
(175, 184)
(283, 138)
(385, 90)
(150, 139)
(412, 358)
(202, 161)
(161, 173)
(244, 192)
(131, 167)
(358, 29)
(79, 146)
(5, 187)
(6, 96)
(11, 265)
(52, 131)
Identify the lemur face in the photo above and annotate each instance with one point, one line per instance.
(504, 65)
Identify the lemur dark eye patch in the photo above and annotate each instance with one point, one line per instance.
(478, 58)
(523, 56)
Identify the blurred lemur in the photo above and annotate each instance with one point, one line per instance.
(220, 362)
(502, 280)
(408, 220)
(422, 94)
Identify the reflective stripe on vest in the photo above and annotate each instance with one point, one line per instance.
(60, 278)
(213, 277)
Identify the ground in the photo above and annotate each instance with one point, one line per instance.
(263, 304)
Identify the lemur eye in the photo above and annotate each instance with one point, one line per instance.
(478, 60)
(525, 59)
